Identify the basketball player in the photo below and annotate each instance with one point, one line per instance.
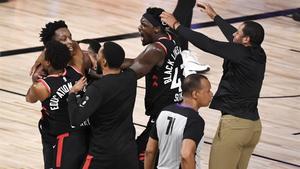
(108, 102)
(64, 146)
(238, 92)
(161, 63)
(94, 72)
(92, 51)
(179, 128)
(94, 47)
(58, 30)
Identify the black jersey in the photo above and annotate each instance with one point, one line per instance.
(55, 107)
(163, 83)
(174, 124)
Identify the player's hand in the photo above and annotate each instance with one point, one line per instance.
(206, 8)
(37, 63)
(79, 85)
(33, 68)
(169, 19)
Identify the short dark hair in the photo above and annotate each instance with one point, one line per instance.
(191, 83)
(57, 54)
(114, 54)
(153, 16)
(255, 31)
(47, 33)
(93, 44)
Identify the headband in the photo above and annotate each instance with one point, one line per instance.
(154, 21)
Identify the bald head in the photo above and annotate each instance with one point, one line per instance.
(191, 83)
(197, 89)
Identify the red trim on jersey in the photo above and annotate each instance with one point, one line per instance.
(169, 37)
(87, 162)
(163, 38)
(44, 110)
(58, 75)
(163, 46)
(76, 70)
(45, 84)
(60, 140)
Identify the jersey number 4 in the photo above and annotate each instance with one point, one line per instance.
(176, 81)
(170, 125)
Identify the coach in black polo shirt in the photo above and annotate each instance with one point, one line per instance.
(237, 96)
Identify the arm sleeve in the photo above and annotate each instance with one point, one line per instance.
(153, 132)
(194, 130)
(225, 50)
(82, 108)
(225, 27)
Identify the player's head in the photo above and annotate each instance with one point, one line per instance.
(249, 33)
(57, 55)
(57, 30)
(197, 87)
(151, 24)
(111, 55)
(94, 46)
(93, 49)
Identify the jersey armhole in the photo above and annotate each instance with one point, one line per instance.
(76, 70)
(44, 83)
(163, 47)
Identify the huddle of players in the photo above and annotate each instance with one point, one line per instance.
(95, 129)
(90, 125)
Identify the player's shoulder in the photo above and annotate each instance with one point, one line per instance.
(156, 47)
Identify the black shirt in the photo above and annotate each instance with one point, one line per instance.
(109, 103)
(163, 83)
(243, 71)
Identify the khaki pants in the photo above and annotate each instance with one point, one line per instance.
(234, 143)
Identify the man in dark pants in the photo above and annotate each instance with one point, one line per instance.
(108, 103)
(161, 64)
(64, 146)
(238, 92)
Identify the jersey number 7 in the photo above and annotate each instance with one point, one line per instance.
(170, 125)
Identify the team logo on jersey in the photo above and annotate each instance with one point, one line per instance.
(169, 72)
(173, 74)
(60, 93)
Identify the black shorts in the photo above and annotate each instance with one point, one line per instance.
(114, 159)
(65, 151)
(142, 141)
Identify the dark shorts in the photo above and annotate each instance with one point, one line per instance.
(114, 159)
(65, 151)
(142, 141)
